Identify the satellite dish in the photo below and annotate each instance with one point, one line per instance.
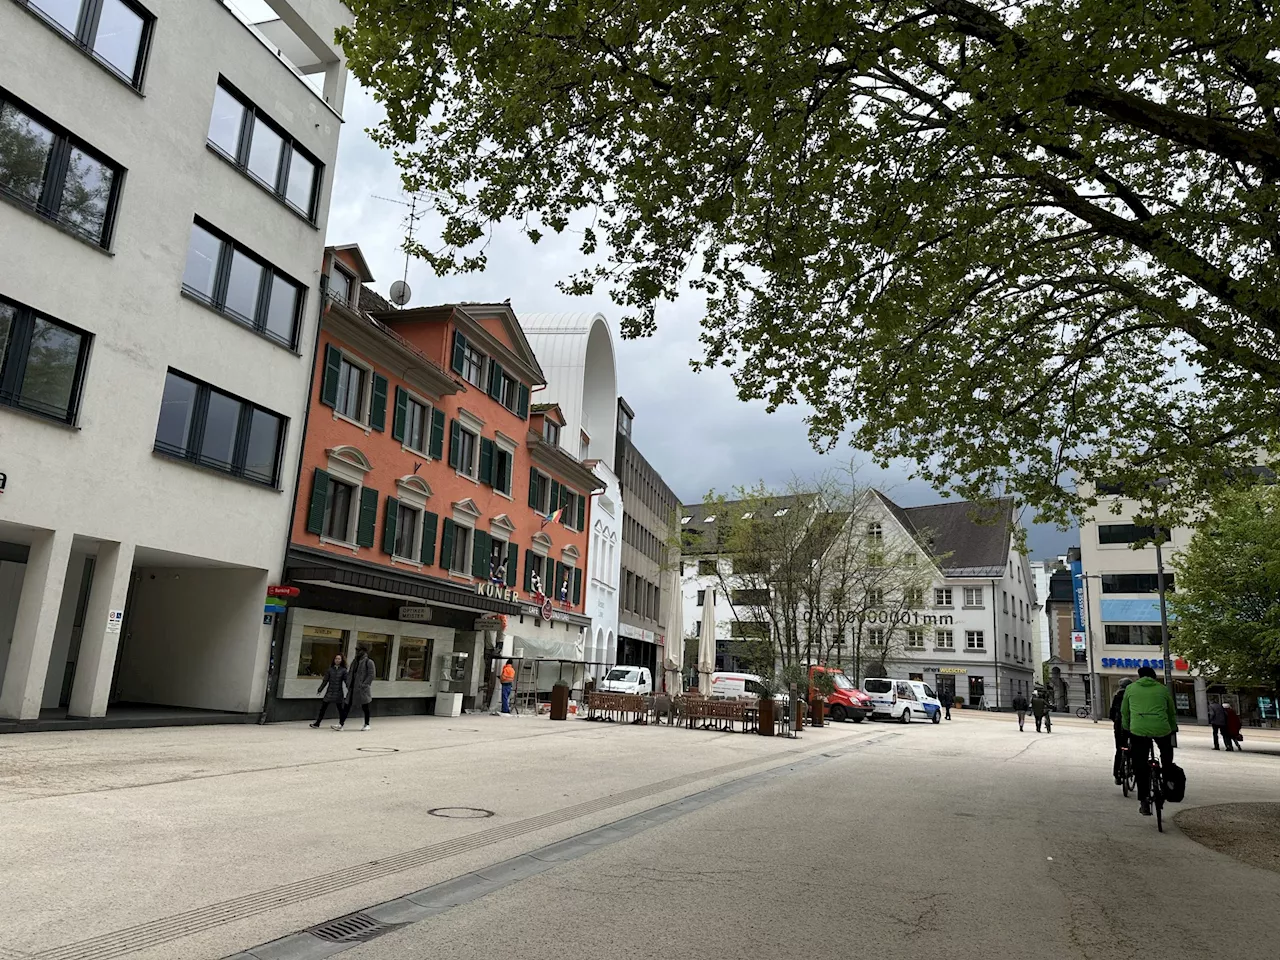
(400, 293)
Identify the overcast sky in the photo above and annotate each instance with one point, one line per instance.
(691, 427)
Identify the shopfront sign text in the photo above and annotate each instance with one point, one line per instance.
(1133, 663)
(416, 614)
(496, 591)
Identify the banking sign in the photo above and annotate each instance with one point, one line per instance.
(1077, 595)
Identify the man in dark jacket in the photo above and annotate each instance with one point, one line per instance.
(1118, 731)
(1040, 708)
(1020, 708)
(1218, 721)
(947, 698)
(360, 683)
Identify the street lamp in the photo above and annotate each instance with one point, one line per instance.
(1159, 531)
(1095, 691)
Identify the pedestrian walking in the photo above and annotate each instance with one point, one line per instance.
(360, 685)
(1118, 731)
(1233, 728)
(1020, 708)
(331, 685)
(1149, 714)
(508, 678)
(948, 698)
(1218, 722)
(1040, 710)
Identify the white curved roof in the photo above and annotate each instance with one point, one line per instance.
(577, 357)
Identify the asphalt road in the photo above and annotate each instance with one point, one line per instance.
(961, 840)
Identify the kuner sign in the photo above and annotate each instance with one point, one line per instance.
(497, 592)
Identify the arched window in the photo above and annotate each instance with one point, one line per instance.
(875, 532)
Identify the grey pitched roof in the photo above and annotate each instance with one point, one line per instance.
(972, 538)
(699, 536)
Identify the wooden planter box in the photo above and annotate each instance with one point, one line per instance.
(766, 717)
(559, 703)
(818, 713)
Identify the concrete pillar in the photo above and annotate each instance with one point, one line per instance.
(98, 645)
(1202, 701)
(33, 629)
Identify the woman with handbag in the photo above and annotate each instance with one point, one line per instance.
(1233, 726)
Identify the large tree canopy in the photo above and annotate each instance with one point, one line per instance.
(1228, 597)
(1018, 243)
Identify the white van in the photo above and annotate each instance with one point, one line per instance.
(731, 686)
(627, 680)
(902, 700)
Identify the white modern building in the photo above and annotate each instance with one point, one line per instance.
(1121, 604)
(576, 353)
(163, 234)
(970, 632)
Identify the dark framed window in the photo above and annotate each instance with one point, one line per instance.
(42, 362)
(467, 453)
(337, 513)
(472, 365)
(241, 285)
(408, 523)
(257, 145)
(341, 286)
(204, 425)
(417, 418)
(55, 175)
(351, 380)
(1132, 634)
(1127, 533)
(551, 432)
(1135, 582)
(116, 33)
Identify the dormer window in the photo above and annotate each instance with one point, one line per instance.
(551, 432)
(875, 532)
(342, 286)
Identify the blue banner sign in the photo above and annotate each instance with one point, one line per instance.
(1077, 595)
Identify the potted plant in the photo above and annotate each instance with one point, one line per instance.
(823, 686)
(560, 701)
(769, 687)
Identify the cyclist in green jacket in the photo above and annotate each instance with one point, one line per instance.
(1149, 715)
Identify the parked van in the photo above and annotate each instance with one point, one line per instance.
(902, 700)
(846, 702)
(731, 686)
(627, 680)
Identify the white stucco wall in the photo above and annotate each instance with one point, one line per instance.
(100, 478)
(604, 567)
(577, 357)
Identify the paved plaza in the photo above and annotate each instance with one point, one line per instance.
(489, 836)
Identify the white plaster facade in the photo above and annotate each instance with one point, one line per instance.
(184, 550)
(575, 351)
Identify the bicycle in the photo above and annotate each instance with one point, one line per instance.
(1157, 787)
(1083, 712)
(1128, 776)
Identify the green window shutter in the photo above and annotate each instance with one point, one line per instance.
(319, 501)
(566, 501)
(486, 461)
(389, 525)
(446, 543)
(533, 488)
(508, 465)
(528, 571)
(459, 351)
(378, 408)
(513, 559)
(554, 503)
(480, 556)
(455, 442)
(397, 418)
(436, 450)
(561, 569)
(522, 402)
(428, 552)
(495, 380)
(577, 586)
(582, 512)
(368, 517)
(332, 370)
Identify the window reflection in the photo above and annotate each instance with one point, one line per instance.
(119, 37)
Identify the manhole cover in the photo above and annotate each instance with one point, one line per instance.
(353, 928)
(460, 813)
(378, 749)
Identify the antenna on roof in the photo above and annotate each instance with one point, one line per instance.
(400, 289)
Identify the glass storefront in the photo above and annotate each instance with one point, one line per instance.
(414, 659)
(319, 646)
(379, 647)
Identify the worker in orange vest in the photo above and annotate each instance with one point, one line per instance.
(508, 678)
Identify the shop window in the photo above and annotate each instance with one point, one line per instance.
(413, 660)
(319, 646)
(379, 647)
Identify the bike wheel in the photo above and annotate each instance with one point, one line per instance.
(1159, 812)
(1126, 781)
(1082, 713)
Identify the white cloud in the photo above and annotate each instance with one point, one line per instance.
(691, 427)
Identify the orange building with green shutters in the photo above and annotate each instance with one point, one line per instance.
(434, 499)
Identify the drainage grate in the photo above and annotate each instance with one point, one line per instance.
(353, 928)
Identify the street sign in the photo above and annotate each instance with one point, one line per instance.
(273, 607)
(546, 609)
(418, 614)
(283, 591)
(1077, 640)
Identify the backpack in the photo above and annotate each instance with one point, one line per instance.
(1175, 783)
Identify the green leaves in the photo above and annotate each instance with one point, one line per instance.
(1228, 597)
(1016, 245)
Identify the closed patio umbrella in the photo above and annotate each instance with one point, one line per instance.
(707, 643)
(674, 664)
